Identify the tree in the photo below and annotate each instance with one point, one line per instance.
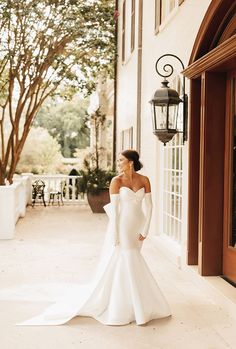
(97, 121)
(41, 153)
(45, 43)
(65, 121)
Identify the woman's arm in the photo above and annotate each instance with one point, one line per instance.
(148, 206)
(115, 203)
(147, 185)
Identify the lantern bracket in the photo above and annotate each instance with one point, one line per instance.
(166, 71)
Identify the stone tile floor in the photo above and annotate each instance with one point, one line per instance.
(62, 244)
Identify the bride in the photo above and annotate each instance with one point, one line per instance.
(123, 289)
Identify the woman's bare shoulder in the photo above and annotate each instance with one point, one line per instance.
(115, 185)
(145, 183)
(116, 179)
(143, 178)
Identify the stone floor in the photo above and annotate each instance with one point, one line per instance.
(62, 244)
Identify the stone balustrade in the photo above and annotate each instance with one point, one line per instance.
(14, 198)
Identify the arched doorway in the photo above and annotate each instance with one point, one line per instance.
(212, 133)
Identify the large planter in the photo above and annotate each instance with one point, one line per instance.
(98, 200)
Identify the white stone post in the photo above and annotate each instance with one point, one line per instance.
(7, 211)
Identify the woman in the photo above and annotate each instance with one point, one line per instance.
(123, 289)
(139, 297)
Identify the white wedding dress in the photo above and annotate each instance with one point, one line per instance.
(123, 289)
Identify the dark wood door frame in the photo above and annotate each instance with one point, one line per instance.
(211, 173)
(206, 177)
(206, 172)
(213, 54)
(229, 252)
(193, 175)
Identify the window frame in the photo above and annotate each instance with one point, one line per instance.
(158, 13)
(127, 140)
(133, 15)
(123, 32)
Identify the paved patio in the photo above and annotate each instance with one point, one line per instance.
(62, 244)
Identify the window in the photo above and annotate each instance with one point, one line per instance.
(127, 138)
(173, 171)
(167, 6)
(172, 191)
(163, 8)
(123, 29)
(132, 25)
(157, 14)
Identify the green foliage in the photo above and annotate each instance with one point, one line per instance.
(41, 153)
(44, 44)
(66, 122)
(74, 38)
(94, 179)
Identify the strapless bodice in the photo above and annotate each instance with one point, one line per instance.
(129, 195)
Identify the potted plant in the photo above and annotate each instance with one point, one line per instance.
(95, 177)
(95, 183)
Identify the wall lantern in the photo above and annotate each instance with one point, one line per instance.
(166, 112)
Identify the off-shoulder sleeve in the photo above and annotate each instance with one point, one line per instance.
(148, 209)
(112, 211)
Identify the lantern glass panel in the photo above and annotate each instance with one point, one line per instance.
(173, 114)
(161, 116)
(153, 111)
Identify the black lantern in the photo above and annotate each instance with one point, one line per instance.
(165, 106)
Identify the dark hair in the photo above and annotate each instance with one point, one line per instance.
(133, 155)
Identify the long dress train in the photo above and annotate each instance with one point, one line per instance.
(123, 289)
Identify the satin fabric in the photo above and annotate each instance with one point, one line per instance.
(123, 289)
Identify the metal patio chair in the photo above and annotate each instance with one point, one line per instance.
(38, 188)
(56, 194)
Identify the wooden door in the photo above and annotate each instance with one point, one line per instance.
(229, 240)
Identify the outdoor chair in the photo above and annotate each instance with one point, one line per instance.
(38, 191)
(56, 194)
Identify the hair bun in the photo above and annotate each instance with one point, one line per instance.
(133, 155)
(137, 165)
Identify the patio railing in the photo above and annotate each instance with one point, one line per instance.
(15, 197)
(68, 186)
